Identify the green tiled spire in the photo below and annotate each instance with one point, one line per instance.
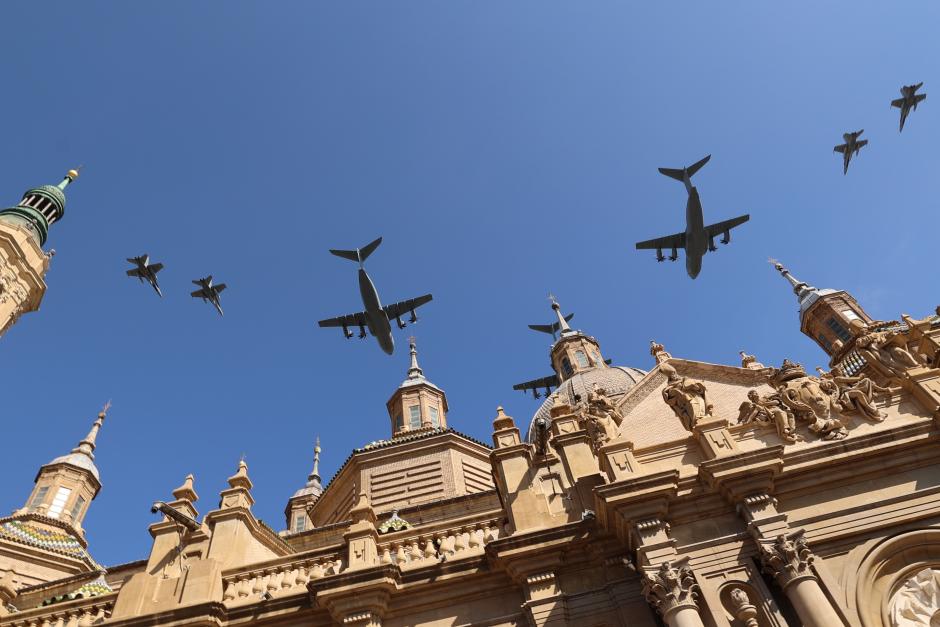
(40, 208)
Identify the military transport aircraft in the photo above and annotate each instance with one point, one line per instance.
(908, 101)
(697, 238)
(208, 292)
(375, 317)
(146, 270)
(851, 145)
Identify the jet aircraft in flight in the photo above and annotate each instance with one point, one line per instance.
(208, 292)
(851, 145)
(375, 317)
(146, 270)
(697, 238)
(908, 101)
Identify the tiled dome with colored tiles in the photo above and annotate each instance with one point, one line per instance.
(59, 542)
(616, 381)
(91, 589)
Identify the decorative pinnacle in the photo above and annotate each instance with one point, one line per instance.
(315, 475)
(87, 445)
(415, 370)
(240, 479)
(186, 492)
(562, 323)
(800, 288)
(70, 176)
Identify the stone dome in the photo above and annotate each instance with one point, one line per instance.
(616, 381)
(79, 460)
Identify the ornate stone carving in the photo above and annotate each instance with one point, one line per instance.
(917, 602)
(788, 559)
(887, 349)
(769, 409)
(686, 397)
(808, 399)
(670, 588)
(600, 417)
(658, 352)
(742, 608)
(750, 361)
(855, 395)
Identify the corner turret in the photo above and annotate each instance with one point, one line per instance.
(417, 403)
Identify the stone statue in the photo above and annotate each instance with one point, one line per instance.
(750, 361)
(601, 404)
(686, 397)
(855, 395)
(887, 349)
(809, 399)
(659, 352)
(769, 409)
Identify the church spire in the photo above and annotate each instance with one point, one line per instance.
(315, 475)
(415, 370)
(826, 315)
(562, 323)
(87, 445)
(417, 403)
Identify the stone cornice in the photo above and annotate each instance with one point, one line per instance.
(737, 476)
(261, 533)
(203, 614)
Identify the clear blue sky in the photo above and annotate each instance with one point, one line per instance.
(503, 149)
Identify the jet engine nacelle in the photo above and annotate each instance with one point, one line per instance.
(726, 238)
(401, 325)
(674, 255)
(414, 317)
(711, 245)
(362, 331)
(659, 255)
(347, 332)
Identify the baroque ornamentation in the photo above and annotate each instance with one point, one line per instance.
(670, 588)
(658, 351)
(771, 410)
(788, 559)
(742, 608)
(686, 397)
(808, 399)
(887, 349)
(856, 395)
(917, 602)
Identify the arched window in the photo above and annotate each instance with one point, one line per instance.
(582, 359)
(566, 367)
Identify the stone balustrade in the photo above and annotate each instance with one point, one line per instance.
(430, 547)
(77, 613)
(278, 579)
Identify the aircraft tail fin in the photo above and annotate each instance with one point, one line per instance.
(680, 175)
(360, 254)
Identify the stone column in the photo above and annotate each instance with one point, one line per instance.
(671, 590)
(789, 560)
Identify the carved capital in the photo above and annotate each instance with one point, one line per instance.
(787, 558)
(670, 588)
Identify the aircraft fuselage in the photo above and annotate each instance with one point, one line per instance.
(376, 319)
(696, 239)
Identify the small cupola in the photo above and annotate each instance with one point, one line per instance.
(417, 403)
(40, 208)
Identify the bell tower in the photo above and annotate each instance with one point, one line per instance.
(417, 403)
(826, 315)
(23, 263)
(574, 351)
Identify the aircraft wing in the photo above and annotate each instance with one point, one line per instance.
(840, 148)
(218, 289)
(552, 328)
(156, 267)
(405, 306)
(723, 227)
(349, 320)
(134, 272)
(535, 385)
(670, 241)
(898, 103)
(920, 98)
(203, 293)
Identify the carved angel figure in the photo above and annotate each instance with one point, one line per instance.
(601, 404)
(884, 348)
(769, 409)
(857, 394)
(811, 401)
(686, 397)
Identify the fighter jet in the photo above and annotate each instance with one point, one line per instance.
(697, 238)
(908, 101)
(146, 270)
(208, 292)
(375, 317)
(851, 145)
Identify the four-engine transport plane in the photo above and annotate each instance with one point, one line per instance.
(697, 238)
(375, 317)
(208, 292)
(146, 270)
(851, 146)
(908, 101)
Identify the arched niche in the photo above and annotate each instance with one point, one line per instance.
(875, 578)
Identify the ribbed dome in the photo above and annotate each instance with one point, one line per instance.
(616, 381)
(80, 460)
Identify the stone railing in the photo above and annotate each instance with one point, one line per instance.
(430, 547)
(279, 579)
(77, 613)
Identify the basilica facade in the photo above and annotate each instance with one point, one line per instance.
(685, 494)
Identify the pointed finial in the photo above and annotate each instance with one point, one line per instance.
(562, 323)
(415, 370)
(186, 492)
(658, 351)
(240, 479)
(315, 475)
(87, 445)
